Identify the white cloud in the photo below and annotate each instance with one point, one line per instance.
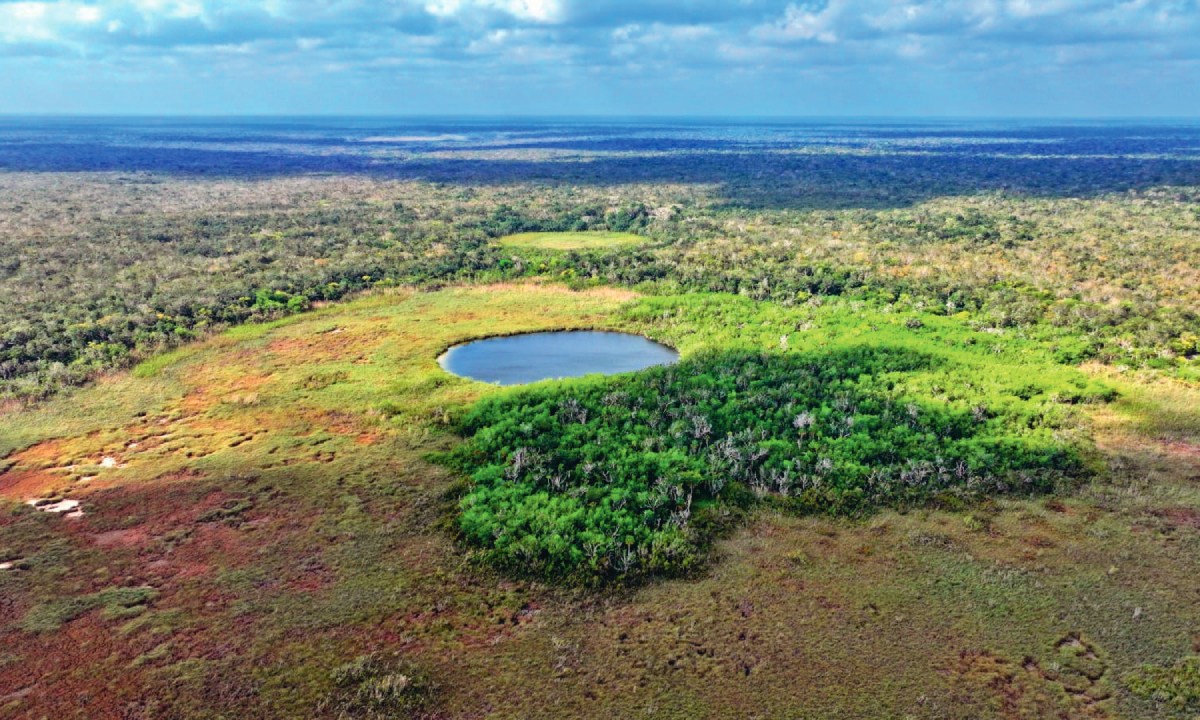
(169, 9)
(802, 23)
(542, 11)
(88, 14)
(672, 37)
(27, 11)
(539, 10)
(35, 21)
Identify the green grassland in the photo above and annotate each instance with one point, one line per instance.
(594, 240)
(273, 527)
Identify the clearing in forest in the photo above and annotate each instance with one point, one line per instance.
(261, 530)
(571, 240)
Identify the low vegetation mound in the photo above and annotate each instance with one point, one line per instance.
(612, 478)
(571, 240)
(1178, 684)
(373, 688)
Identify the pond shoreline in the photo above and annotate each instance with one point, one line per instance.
(521, 358)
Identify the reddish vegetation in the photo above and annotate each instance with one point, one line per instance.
(333, 345)
(132, 537)
(341, 423)
(60, 672)
(1023, 690)
(164, 535)
(1187, 449)
(30, 476)
(203, 397)
(1181, 517)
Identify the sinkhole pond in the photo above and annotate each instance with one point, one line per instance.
(530, 357)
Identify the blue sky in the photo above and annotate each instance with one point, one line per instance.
(620, 57)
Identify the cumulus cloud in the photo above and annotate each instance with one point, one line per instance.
(542, 11)
(107, 24)
(744, 37)
(1030, 22)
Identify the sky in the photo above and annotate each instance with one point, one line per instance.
(992, 58)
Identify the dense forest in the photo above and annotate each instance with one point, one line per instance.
(101, 271)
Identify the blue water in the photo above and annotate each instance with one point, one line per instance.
(519, 359)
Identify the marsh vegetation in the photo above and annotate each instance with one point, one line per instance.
(570, 240)
(930, 449)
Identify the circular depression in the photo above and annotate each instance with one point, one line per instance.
(526, 358)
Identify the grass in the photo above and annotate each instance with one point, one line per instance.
(273, 489)
(571, 240)
(368, 688)
(116, 602)
(1178, 684)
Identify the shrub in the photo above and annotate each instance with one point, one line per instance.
(370, 688)
(1178, 684)
(116, 602)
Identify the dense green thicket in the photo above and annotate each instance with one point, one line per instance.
(626, 476)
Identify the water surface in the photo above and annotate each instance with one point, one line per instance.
(519, 359)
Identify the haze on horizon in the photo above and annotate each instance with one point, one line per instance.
(997, 58)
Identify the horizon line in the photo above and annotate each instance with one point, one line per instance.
(593, 116)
